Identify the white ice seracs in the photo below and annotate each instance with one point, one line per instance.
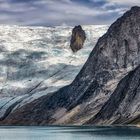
(38, 60)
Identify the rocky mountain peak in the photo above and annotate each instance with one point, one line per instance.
(101, 85)
(78, 38)
(119, 47)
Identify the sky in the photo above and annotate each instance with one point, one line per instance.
(62, 12)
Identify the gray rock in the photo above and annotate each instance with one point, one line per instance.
(123, 106)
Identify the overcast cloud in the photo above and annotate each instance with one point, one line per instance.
(58, 12)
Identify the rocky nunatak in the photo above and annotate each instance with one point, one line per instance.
(77, 39)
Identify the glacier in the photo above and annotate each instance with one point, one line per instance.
(35, 61)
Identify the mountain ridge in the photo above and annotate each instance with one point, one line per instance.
(103, 81)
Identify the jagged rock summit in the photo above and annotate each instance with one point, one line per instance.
(77, 39)
(108, 84)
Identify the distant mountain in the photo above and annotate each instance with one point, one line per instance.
(35, 61)
(78, 38)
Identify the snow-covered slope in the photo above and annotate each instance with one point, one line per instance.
(35, 61)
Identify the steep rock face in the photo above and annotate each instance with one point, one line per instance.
(123, 106)
(115, 54)
(78, 38)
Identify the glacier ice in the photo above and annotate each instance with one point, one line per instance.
(35, 61)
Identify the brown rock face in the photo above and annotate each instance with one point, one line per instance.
(77, 39)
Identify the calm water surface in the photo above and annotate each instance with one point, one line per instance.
(69, 133)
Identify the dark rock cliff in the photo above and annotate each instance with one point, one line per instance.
(94, 95)
(123, 106)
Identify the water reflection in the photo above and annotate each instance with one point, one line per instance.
(69, 133)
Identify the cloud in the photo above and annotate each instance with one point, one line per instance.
(57, 12)
(126, 2)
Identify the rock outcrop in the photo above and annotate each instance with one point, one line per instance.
(107, 85)
(123, 106)
(77, 39)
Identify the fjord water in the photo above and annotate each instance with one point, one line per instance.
(70, 133)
